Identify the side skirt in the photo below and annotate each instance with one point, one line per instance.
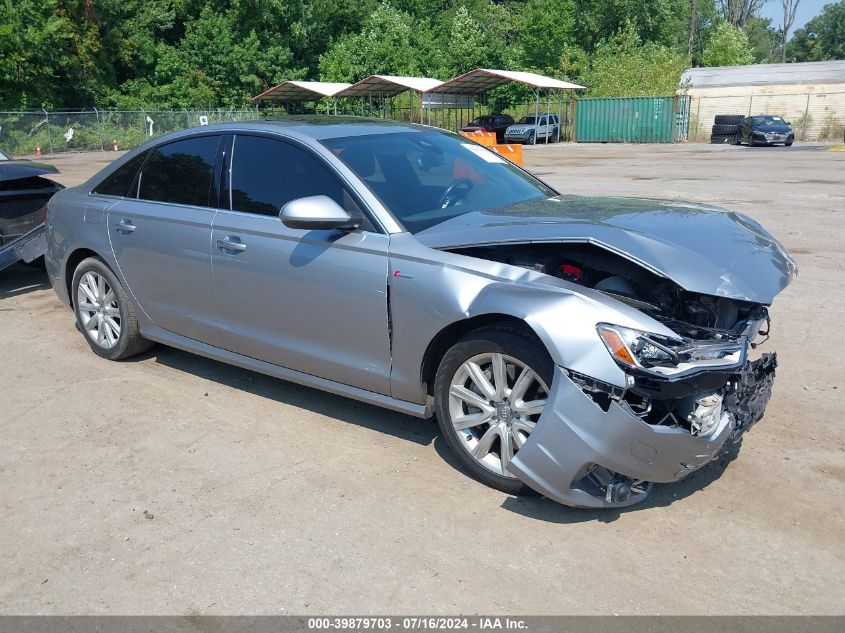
(165, 337)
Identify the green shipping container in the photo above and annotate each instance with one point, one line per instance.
(632, 119)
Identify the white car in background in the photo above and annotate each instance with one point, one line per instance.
(531, 129)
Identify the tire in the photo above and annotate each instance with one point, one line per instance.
(532, 138)
(728, 119)
(510, 419)
(720, 139)
(788, 144)
(120, 312)
(725, 130)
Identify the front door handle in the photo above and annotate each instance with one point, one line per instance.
(124, 226)
(231, 243)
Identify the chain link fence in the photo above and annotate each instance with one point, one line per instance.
(54, 132)
(814, 117)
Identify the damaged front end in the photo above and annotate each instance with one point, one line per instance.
(682, 400)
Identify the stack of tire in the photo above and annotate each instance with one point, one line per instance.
(726, 128)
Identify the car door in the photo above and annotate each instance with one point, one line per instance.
(745, 135)
(161, 236)
(543, 128)
(555, 125)
(313, 301)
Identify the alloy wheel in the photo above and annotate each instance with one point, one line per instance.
(99, 314)
(495, 401)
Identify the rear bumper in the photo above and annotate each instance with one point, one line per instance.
(574, 435)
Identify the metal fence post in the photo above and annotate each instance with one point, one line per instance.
(187, 118)
(49, 133)
(804, 121)
(100, 130)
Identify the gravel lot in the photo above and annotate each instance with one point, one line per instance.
(172, 484)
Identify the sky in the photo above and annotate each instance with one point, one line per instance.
(807, 10)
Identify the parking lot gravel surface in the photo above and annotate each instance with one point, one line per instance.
(172, 484)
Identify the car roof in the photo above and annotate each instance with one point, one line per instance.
(316, 127)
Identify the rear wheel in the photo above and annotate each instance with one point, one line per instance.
(490, 390)
(105, 314)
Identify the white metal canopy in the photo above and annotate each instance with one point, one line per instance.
(481, 80)
(388, 86)
(302, 90)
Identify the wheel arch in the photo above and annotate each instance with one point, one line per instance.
(74, 259)
(449, 335)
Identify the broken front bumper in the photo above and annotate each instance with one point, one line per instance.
(575, 437)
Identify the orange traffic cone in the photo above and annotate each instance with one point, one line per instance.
(38, 150)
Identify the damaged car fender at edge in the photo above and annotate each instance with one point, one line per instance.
(562, 315)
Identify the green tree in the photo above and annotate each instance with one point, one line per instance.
(728, 46)
(624, 66)
(764, 39)
(822, 38)
(662, 21)
(465, 47)
(546, 27)
(390, 43)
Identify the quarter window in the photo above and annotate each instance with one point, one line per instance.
(267, 174)
(120, 181)
(180, 172)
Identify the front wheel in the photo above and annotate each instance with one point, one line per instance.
(788, 143)
(490, 390)
(531, 138)
(105, 314)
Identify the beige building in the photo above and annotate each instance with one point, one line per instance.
(810, 95)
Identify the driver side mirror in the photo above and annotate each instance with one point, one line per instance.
(315, 213)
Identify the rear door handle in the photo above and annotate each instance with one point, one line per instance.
(124, 226)
(231, 243)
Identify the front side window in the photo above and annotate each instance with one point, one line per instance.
(121, 180)
(268, 173)
(180, 172)
(427, 177)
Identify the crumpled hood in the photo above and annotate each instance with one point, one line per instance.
(702, 248)
(19, 169)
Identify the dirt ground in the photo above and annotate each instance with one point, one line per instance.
(172, 484)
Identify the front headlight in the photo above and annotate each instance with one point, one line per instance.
(638, 349)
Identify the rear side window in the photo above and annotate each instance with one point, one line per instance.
(180, 172)
(120, 181)
(267, 174)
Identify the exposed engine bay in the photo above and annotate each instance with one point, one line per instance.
(697, 316)
(709, 325)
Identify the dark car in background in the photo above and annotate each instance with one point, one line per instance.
(765, 129)
(24, 192)
(497, 123)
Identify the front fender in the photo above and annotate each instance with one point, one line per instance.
(431, 290)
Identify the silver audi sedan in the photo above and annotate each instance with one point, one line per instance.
(582, 348)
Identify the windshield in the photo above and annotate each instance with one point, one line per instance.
(768, 120)
(426, 177)
(528, 119)
(481, 120)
